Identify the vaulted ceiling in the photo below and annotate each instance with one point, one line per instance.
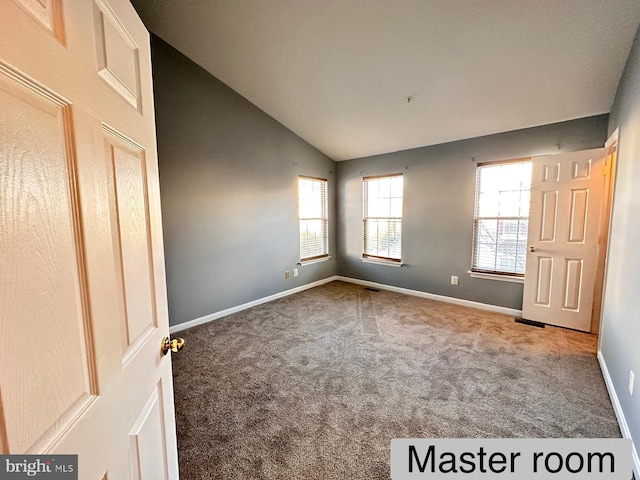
(361, 77)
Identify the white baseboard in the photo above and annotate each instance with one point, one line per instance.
(441, 298)
(617, 408)
(244, 306)
(416, 293)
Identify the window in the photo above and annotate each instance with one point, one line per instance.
(313, 218)
(382, 217)
(501, 217)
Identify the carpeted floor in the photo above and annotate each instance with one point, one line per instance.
(315, 385)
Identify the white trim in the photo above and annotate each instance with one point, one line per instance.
(244, 306)
(617, 408)
(499, 278)
(441, 298)
(386, 263)
(304, 263)
(613, 139)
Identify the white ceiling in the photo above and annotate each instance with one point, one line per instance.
(338, 72)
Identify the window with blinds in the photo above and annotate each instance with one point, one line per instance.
(501, 217)
(382, 217)
(313, 218)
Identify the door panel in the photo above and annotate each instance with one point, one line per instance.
(578, 215)
(551, 172)
(48, 13)
(564, 219)
(117, 54)
(543, 289)
(82, 296)
(131, 239)
(581, 169)
(147, 440)
(548, 216)
(572, 283)
(42, 262)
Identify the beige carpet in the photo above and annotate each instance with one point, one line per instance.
(315, 385)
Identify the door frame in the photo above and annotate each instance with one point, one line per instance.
(605, 219)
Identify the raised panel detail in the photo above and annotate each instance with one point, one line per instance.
(543, 288)
(581, 169)
(47, 381)
(551, 173)
(147, 445)
(572, 284)
(578, 215)
(548, 212)
(47, 13)
(117, 54)
(134, 250)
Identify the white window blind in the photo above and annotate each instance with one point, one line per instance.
(501, 217)
(382, 217)
(313, 218)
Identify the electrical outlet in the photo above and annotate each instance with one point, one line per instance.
(454, 280)
(295, 272)
(631, 379)
(287, 274)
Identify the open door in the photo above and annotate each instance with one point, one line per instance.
(82, 282)
(566, 198)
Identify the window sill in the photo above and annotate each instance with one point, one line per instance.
(315, 260)
(387, 263)
(499, 278)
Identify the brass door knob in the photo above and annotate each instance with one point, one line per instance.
(532, 249)
(174, 345)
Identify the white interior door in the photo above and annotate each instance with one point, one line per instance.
(566, 197)
(82, 286)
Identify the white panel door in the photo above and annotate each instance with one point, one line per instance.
(82, 287)
(566, 197)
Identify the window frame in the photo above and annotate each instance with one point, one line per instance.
(496, 273)
(368, 257)
(324, 219)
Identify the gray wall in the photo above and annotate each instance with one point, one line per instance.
(439, 183)
(228, 179)
(620, 328)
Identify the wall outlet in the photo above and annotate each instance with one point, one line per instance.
(287, 274)
(631, 379)
(295, 272)
(454, 280)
